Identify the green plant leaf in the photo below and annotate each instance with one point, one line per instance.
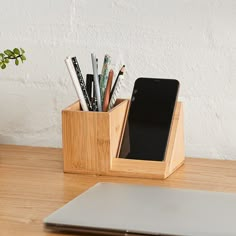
(9, 52)
(17, 54)
(16, 51)
(22, 50)
(17, 62)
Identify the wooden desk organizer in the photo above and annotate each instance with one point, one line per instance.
(91, 141)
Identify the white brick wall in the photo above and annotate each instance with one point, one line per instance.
(193, 41)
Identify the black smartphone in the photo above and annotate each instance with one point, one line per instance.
(149, 119)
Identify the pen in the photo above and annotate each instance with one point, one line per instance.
(104, 75)
(97, 63)
(82, 84)
(76, 83)
(96, 82)
(89, 87)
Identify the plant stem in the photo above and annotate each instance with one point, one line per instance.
(12, 58)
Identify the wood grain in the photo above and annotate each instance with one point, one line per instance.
(92, 140)
(33, 185)
(174, 156)
(175, 153)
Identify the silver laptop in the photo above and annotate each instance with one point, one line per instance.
(122, 209)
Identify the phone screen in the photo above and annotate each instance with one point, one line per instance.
(148, 123)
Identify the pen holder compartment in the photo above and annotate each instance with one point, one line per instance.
(91, 141)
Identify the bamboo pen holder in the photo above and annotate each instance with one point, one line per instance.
(91, 141)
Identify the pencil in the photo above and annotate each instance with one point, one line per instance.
(108, 90)
(119, 84)
(121, 72)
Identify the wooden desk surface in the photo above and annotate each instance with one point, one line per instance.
(32, 185)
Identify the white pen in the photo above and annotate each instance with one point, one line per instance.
(76, 83)
(96, 82)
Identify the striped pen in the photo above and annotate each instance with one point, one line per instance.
(104, 75)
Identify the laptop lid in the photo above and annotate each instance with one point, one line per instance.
(118, 209)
